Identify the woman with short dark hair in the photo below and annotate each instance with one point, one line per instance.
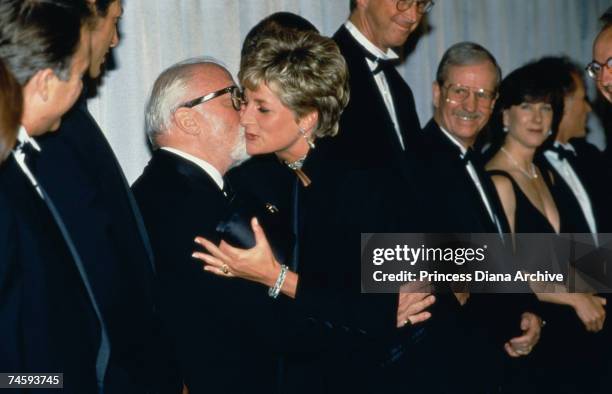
(528, 113)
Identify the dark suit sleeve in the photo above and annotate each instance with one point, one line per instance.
(10, 282)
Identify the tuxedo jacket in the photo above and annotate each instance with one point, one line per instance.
(78, 169)
(458, 204)
(455, 205)
(48, 323)
(595, 175)
(367, 134)
(226, 333)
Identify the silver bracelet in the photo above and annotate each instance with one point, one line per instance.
(275, 291)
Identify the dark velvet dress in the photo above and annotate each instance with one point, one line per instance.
(565, 357)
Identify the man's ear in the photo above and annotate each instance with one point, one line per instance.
(436, 94)
(309, 121)
(183, 117)
(42, 83)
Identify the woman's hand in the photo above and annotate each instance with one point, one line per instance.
(531, 326)
(412, 307)
(256, 264)
(590, 309)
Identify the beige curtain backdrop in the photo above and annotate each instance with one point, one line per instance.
(158, 33)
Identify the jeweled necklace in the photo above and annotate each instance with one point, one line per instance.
(296, 165)
(532, 176)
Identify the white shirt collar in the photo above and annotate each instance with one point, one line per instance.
(453, 140)
(204, 165)
(367, 44)
(24, 138)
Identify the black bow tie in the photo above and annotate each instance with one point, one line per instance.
(381, 64)
(563, 153)
(30, 154)
(470, 156)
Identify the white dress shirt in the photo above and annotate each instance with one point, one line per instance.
(569, 176)
(203, 164)
(381, 80)
(23, 138)
(469, 167)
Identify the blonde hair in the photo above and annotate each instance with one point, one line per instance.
(305, 70)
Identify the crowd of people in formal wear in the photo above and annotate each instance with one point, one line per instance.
(233, 263)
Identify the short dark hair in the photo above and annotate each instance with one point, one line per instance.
(530, 83)
(102, 7)
(562, 69)
(40, 34)
(465, 54)
(11, 102)
(271, 25)
(353, 5)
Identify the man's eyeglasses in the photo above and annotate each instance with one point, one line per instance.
(237, 98)
(594, 68)
(459, 93)
(423, 6)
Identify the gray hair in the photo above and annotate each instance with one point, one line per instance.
(465, 54)
(169, 92)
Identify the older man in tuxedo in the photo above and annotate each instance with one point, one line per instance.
(463, 200)
(378, 126)
(223, 332)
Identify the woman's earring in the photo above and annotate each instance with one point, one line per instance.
(308, 140)
(550, 132)
(505, 128)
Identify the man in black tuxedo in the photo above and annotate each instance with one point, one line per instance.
(379, 124)
(463, 200)
(223, 332)
(582, 178)
(51, 320)
(81, 173)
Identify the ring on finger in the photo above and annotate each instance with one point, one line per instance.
(225, 269)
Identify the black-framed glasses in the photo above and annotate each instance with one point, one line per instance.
(594, 68)
(236, 94)
(423, 6)
(459, 93)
